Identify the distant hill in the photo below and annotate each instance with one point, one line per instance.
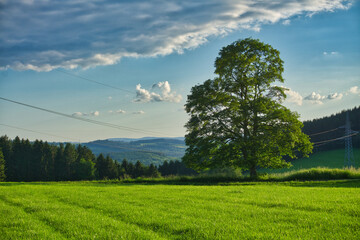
(146, 150)
(140, 139)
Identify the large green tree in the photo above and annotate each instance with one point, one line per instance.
(237, 119)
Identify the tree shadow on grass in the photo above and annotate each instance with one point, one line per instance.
(208, 181)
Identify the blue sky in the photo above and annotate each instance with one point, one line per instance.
(150, 54)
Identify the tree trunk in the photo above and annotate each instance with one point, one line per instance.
(253, 173)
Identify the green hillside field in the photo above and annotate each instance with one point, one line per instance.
(327, 159)
(248, 210)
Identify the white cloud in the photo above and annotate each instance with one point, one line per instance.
(335, 96)
(293, 97)
(354, 90)
(315, 98)
(331, 54)
(139, 112)
(77, 114)
(96, 113)
(110, 98)
(286, 22)
(91, 114)
(71, 34)
(120, 111)
(164, 95)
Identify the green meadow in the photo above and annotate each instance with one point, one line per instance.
(242, 210)
(329, 159)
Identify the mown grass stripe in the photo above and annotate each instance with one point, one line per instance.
(100, 211)
(75, 222)
(289, 210)
(23, 224)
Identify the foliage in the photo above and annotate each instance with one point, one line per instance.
(290, 210)
(105, 167)
(2, 167)
(40, 161)
(175, 168)
(237, 118)
(85, 169)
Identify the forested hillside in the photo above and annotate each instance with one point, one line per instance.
(324, 131)
(147, 151)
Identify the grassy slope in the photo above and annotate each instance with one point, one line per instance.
(328, 159)
(290, 210)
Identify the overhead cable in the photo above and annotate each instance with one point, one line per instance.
(86, 119)
(93, 81)
(43, 133)
(323, 132)
(335, 139)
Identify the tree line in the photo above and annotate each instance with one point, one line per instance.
(335, 123)
(22, 160)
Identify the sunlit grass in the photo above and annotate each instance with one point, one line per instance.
(324, 159)
(316, 174)
(247, 210)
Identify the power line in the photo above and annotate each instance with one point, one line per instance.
(93, 81)
(48, 134)
(323, 132)
(335, 139)
(86, 119)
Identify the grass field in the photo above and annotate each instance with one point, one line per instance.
(248, 210)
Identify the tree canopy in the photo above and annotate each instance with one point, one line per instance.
(237, 119)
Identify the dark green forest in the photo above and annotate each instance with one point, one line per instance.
(22, 160)
(332, 128)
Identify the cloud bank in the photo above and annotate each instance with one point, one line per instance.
(43, 35)
(139, 112)
(316, 98)
(293, 97)
(91, 114)
(355, 90)
(120, 111)
(161, 93)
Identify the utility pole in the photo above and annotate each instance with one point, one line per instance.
(349, 154)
